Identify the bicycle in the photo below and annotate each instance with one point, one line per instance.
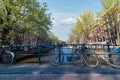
(59, 57)
(112, 56)
(78, 56)
(6, 56)
(90, 56)
(109, 54)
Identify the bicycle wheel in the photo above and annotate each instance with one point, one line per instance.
(91, 59)
(7, 57)
(113, 59)
(57, 58)
(79, 59)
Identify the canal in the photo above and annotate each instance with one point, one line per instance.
(67, 53)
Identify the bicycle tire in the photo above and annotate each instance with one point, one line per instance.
(80, 61)
(91, 59)
(55, 59)
(113, 61)
(7, 57)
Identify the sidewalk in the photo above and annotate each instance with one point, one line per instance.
(34, 71)
(59, 77)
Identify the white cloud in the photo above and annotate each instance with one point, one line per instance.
(68, 21)
(63, 19)
(62, 24)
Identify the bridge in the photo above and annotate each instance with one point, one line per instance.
(41, 53)
(44, 70)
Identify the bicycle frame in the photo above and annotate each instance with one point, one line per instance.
(109, 56)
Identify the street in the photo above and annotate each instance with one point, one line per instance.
(34, 71)
(64, 71)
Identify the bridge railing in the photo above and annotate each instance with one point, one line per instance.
(39, 48)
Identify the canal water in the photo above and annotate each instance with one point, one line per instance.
(67, 51)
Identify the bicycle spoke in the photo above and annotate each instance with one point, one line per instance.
(91, 60)
(7, 57)
(56, 59)
(113, 60)
(80, 59)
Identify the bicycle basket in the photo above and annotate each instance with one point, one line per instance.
(116, 50)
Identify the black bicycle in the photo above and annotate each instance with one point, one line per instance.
(60, 56)
(79, 56)
(6, 56)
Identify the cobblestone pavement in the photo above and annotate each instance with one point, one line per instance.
(34, 71)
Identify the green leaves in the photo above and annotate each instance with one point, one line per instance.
(24, 16)
(82, 25)
(52, 37)
(108, 16)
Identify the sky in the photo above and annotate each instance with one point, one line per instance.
(65, 12)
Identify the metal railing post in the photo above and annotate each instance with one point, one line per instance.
(108, 46)
(39, 52)
(59, 55)
(108, 50)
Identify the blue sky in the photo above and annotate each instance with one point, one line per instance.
(65, 13)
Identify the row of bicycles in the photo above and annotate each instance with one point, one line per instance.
(87, 54)
(79, 54)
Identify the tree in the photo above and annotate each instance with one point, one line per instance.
(71, 38)
(23, 17)
(53, 38)
(82, 25)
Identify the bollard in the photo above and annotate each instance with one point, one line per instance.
(39, 52)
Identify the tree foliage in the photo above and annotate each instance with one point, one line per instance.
(23, 17)
(53, 38)
(108, 15)
(82, 25)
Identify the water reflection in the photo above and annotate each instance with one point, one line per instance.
(67, 51)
